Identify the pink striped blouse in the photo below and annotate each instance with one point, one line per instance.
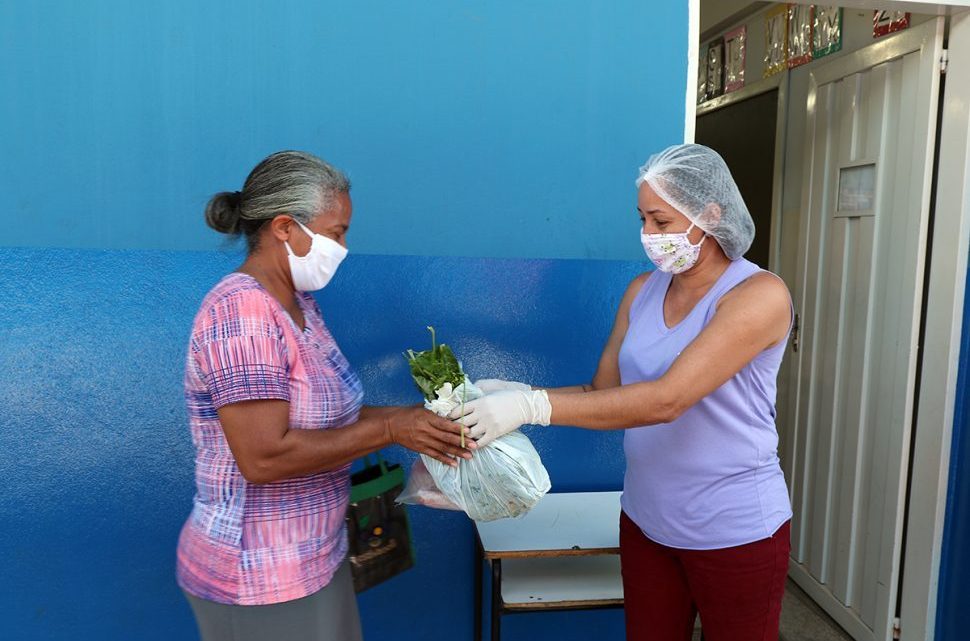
(249, 544)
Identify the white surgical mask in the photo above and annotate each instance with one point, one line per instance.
(314, 271)
(672, 253)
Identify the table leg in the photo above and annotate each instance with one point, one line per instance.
(479, 560)
(496, 599)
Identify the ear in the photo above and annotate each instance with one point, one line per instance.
(711, 216)
(281, 227)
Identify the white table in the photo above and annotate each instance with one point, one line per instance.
(561, 555)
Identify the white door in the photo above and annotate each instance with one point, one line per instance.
(871, 121)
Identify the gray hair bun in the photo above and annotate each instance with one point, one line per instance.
(222, 212)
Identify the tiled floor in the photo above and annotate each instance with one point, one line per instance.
(803, 620)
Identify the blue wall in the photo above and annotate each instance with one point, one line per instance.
(954, 599)
(97, 461)
(508, 128)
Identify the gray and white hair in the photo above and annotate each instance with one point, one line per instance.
(294, 183)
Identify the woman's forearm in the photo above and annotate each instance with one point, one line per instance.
(374, 411)
(616, 408)
(572, 389)
(301, 452)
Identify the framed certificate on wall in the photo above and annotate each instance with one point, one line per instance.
(827, 32)
(734, 58)
(800, 19)
(715, 68)
(776, 40)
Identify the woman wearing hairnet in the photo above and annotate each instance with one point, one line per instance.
(689, 372)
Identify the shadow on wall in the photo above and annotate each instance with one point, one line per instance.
(97, 459)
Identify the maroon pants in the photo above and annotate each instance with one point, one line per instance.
(737, 591)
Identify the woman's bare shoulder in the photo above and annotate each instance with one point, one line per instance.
(766, 296)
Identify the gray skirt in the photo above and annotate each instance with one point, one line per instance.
(327, 615)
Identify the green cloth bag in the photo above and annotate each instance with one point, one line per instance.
(378, 528)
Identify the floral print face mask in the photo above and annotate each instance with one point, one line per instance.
(672, 253)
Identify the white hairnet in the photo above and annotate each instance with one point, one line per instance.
(696, 181)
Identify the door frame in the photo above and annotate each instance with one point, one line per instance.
(936, 404)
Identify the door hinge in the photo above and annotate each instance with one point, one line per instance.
(944, 60)
(896, 631)
(795, 333)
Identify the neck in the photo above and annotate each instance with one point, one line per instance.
(272, 275)
(710, 265)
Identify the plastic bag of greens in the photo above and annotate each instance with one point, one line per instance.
(422, 490)
(503, 479)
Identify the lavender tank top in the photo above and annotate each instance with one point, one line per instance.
(711, 478)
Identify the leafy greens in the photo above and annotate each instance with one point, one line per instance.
(434, 367)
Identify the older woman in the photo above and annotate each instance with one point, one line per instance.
(689, 372)
(276, 418)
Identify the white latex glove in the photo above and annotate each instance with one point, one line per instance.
(491, 385)
(502, 412)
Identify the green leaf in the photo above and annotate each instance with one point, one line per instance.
(432, 368)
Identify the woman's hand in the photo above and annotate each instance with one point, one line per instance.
(495, 415)
(422, 431)
(492, 385)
